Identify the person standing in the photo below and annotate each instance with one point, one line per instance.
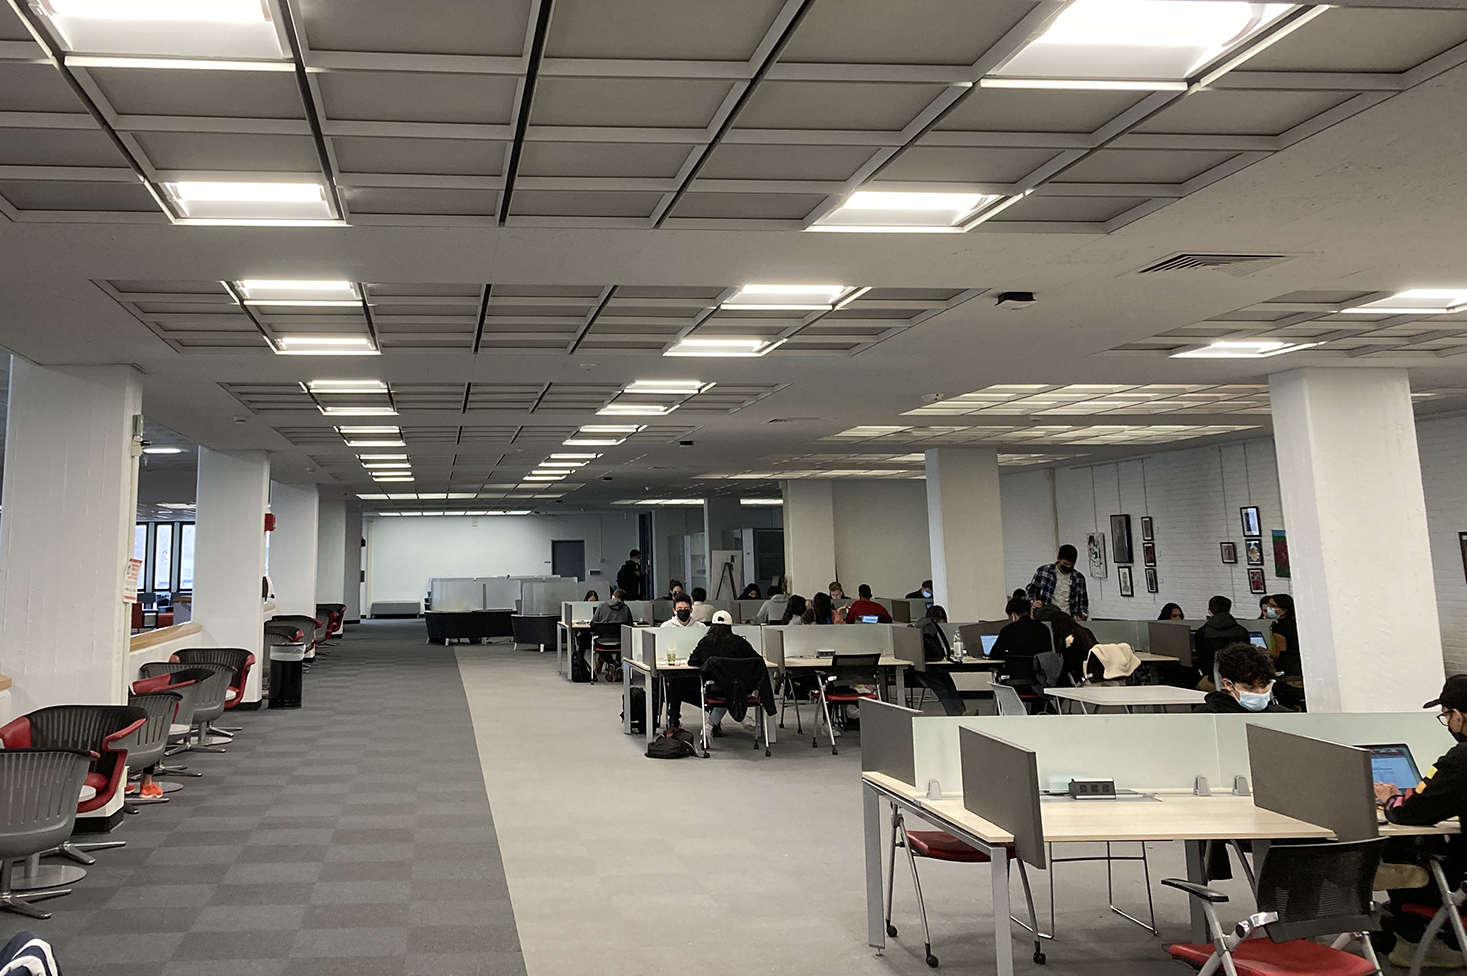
(630, 579)
(1060, 584)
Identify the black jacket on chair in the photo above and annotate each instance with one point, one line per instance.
(739, 678)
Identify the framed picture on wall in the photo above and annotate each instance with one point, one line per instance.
(1255, 581)
(1252, 525)
(1146, 529)
(1151, 586)
(1254, 550)
(1229, 552)
(1120, 539)
(1280, 554)
(1148, 554)
(1095, 549)
(1462, 541)
(1128, 585)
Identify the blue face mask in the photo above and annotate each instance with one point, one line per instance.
(1255, 701)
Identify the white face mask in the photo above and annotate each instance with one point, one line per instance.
(1271, 612)
(1253, 701)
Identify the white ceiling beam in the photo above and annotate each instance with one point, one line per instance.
(195, 123)
(420, 181)
(458, 64)
(1308, 81)
(70, 174)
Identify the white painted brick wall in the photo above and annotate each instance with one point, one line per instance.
(1028, 525)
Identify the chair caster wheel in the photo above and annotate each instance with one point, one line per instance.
(891, 930)
(931, 960)
(834, 751)
(767, 754)
(1039, 959)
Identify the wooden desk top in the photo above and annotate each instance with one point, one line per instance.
(1146, 657)
(152, 638)
(681, 665)
(1129, 695)
(4, 682)
(1169, 817)
(887, 661)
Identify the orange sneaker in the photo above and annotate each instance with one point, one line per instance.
(131, 789)
(152, 789)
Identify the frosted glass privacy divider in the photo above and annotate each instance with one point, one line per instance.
(544, 596)
(1312, 780)
(457, 593)
(820, 641)
(886, 740)
(577, 611)
(661, 610)
(641, 611)
(771, 645)
(678, 640)
(645, 643)
(1142, 752)
(502, 593)
(747, 610)
(754, 635)
(1419, 730)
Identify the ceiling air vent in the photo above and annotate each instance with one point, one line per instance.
(1237, 264)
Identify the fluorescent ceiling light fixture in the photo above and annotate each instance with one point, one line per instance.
(1135, 41)
(1243, 349)
(1083, 84)
(550, 471)
(724, 348)
(594, 441)
(178, 505)
(880, 210)
(612, 428)
(688, 502)
(574, 457)
(382, 457)
(206, 11)
(542, 477)
(347, 386)
(794, 297)
(1418, 301)
(369, 429)
(359, 411)
(162, 450)
(235, 29)
(251, 201)
(376, 443)
(761, 502)
(563, 464)
(184, 64)
(325, 346)
(371, 497)
(375, 465)
(635, 410)
(280, 292)
(387, 476)
(673, 387)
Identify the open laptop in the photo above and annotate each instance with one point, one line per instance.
(988, 641)
(1257, 639)
(1393, 763)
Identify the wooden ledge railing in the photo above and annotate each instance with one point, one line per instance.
(152, 638)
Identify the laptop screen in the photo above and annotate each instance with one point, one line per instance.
(870, 618)
(1394, 764)
(988, 641)
(1256, 638)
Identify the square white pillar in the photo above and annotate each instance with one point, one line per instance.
(965, 532)
(229, 554)
(809, 536)
(1360, 559)
(352, 577)
(70, 503)
(331, 551)
(293, 547)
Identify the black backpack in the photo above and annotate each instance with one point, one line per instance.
(638, 706)
(675, 744)
(580, 670)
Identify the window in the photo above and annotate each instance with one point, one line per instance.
(140, 542)
(163, 556)
(186, 556)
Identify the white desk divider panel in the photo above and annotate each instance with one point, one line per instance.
(817, 641)
(747, 610)
(661, 610)
(545, 596)
(753, 634)
(1170, 637)
(1258, 625)
(501, 593)
(457, 594)
(642, 611)
(770, 643)
(1314, 781)
(676, 640)
(577, 611)
(1133, 632)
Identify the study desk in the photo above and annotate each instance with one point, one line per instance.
(897, 665)
(565, 637)
(651, 672)
(1126, 696)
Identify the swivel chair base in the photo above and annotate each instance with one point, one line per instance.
(78, 851)
(12, 901)
(38, 876)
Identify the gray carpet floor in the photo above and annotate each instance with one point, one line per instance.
(352, 835)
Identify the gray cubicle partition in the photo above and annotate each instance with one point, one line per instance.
(886, 740)
(1001, 785)
(1172, 638)
(546, 596)
(1313, 780)
(747, 610)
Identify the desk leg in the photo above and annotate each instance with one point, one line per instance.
(650, 716)
(901, 687)
(1197, 872)
(1003, 945)
(626, 698)
(875, 920)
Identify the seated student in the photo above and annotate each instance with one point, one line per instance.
(923, 592)
(837, 592)
(1171, 611)
(1440, 796)
(613, 611)
(720, 641)
(935, 647)
(864, 606)
(794, 611)
(1072, 640)
(751, 592)
(1018, 643)
(822, 609)
(1246, 672)
(682, 613)
(702, 609)
(772, 609)
(591, 597)
(1220, 629)
(674, 587)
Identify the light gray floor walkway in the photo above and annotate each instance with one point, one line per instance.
(738, 864)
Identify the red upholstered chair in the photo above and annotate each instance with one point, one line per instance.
(165, 618)
(848, 667)
(137, 616)
(237, 659)
(939, 845)
(1304, 891)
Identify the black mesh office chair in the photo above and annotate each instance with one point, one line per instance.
(837, 685)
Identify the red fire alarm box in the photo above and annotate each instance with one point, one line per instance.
(269, 522)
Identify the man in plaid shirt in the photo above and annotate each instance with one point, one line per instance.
(1061, 585)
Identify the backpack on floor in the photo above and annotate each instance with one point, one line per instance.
(638, 707)
(674, 744)
(580, 670)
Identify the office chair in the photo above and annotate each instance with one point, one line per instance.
(212, 691)
(939, 845)
(184, 684)
(1007, 700)
(1304, 891)
(151, 742)
(1019, 674)
(720, 684)
(40, 787)
(1450, 910)
(827, 692)
(237, 660)
(606, 645)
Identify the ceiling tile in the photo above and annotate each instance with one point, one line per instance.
(25, 195)
(1262, 113)
(557, 203)
(374, 200)
(1143, 166)
(221, 94)
(445, 157)
(748, 206)
(34, 87)
(948, 164)
(1021, 110)
(602, 159)
(745, 162)
(659, 29)
(680, 103)
(1361, 39)
(58, 147)
(227, 151)
(424, 27)
(882, 32)
(835, 105)
(398, 96)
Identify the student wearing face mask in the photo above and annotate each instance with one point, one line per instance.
(682, 613)
(923, 592)
(1060, 584)
(1246, 673)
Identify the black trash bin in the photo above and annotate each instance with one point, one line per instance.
(286, 668)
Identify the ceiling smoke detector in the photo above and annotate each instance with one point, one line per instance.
(1014, 299)
(931, 397)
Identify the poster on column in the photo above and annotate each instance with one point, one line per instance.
(130, 574)
(1280, 554)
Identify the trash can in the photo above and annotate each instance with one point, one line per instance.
(286, 668)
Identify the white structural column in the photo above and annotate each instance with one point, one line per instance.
(352, 575)
(293, 547)
(965, 532)
(721, 517)
(1350, 481)
(331, 551)
(70, 502)
(809, 535)
(229, 553)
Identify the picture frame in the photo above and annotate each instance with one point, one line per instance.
(1120, 539)
(1252, 524)
(1229, 553)
(1253, 548)
(1095, 549)
(1280, 553)
(1127, 584)
(1462, 541)
(1148, 533)
(1255, 581)
(1148, 554)
(1152, 586)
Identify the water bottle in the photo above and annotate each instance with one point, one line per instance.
(958, 652)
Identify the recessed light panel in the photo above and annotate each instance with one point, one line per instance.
(282, 292)
(612, 428)
(182, 28)
(346, 386)
(875, 210)
(162, 450)
(791, 297)
(324, 346)
(1418, 301)
(1244, 349)
(359, 411)
(668, 387)
(761, 502)
(623, 409)
(261, 202)
(724, 348)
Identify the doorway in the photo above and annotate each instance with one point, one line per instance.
(568, 558)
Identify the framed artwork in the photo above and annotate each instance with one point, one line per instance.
(1151, 585)
(1095, 549)
(1280, 554)
(1229, 552)
(1148, 554)
(1128, 585)
(1462, 541)
(1147, 533)
(1255, 581)
(1252, 526)
(1120, 539)
(1254, 549)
